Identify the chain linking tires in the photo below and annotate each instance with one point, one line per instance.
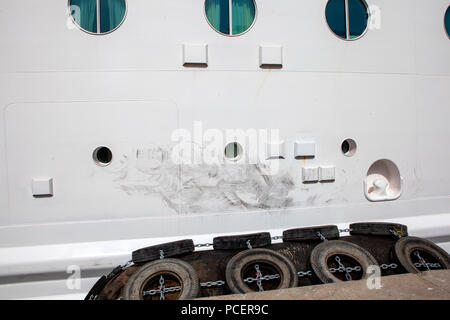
(250, 262)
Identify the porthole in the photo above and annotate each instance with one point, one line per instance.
(348, 147)
(98, 16)
(233, 151)
(347, 19)
(447, 21)
(102, 156)
(230, 17)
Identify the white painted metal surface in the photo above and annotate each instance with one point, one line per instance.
(65, 92)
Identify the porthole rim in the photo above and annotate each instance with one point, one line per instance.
(447, 32)
(362, 34)
(231, 35)
(240, 151)
(93, 33)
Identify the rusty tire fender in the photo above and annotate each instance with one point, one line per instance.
(235, 268)
(102, 282)
(310, 233)
(181, 270)
(114, 288)
(405, 247)
(322, 252)
(170, 249)
(97, 288)
(378, 229)
(236, 242)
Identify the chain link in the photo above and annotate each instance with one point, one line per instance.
(321, 236)
(395, 233)
(162, 286)
(172, 289)
(165, 290)
(265, 278)
(421, 260)
(429, 265)
(259, 275)
(304, 273)
(277, 238)
(385, 266)
(341, 266)
(345, 230)
(126, 265)
(344, 269)
(207, 284)
(210, 284)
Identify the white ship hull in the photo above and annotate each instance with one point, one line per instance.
(64, 93)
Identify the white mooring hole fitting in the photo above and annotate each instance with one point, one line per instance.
(380, 186)
(383, 181)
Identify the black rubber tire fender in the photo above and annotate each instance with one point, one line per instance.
(322, 252)
(97, 288)
(237, 264)
(310, 233)
(102, 282)
(181, 270)
(170, 249)
(378, 229)
(236, 242)
(404, 249)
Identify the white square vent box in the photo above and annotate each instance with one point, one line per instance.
(275, 150)
(195, 54)
(271, 56)
(327, 173)
(42, 187)
(304, 149)
(310, 174)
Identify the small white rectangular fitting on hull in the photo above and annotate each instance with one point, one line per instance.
(42, 187)
(327, 173)
(195, 55)
(310, 174)
(275, 150)
(271, 56)
(304, 149)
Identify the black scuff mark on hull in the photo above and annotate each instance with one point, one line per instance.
(203, 188)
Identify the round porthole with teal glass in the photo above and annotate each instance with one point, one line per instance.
(230, 17)
(98, 16)
(447, 21)
(347, 19)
